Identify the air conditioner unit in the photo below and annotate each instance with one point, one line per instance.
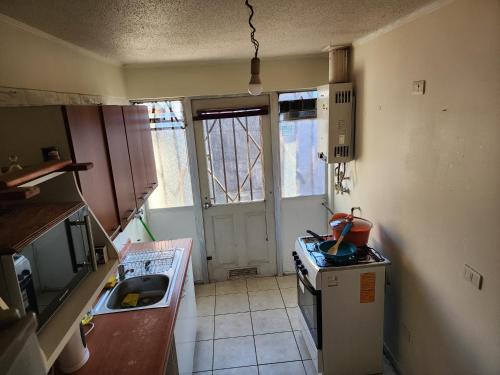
(335, 113)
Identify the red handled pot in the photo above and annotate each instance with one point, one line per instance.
(360, 230)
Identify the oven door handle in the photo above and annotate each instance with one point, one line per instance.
(307, 284)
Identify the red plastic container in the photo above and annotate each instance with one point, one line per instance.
(359, 233)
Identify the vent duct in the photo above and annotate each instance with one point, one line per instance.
(338, 69)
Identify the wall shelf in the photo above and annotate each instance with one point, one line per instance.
(22, 224)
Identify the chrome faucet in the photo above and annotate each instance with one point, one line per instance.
(122, 272)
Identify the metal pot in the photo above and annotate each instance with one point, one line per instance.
(359, 233)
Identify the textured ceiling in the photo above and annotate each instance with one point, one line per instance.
(146, 31)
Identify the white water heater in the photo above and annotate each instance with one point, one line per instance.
(335, 112)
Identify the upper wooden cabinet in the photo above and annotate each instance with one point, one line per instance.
(141, 151)
(116, 138)
(88, 144)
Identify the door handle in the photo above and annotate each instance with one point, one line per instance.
(207, 205)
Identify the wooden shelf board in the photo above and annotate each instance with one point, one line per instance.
(17, 178)
(19, 193)
(22, 224)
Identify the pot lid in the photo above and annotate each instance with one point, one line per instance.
(358, 224)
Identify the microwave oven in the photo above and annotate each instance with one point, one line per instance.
(50, 267)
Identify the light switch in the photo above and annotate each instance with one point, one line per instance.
(418, 87)
(472, 276)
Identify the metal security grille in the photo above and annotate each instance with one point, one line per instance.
(233, 149)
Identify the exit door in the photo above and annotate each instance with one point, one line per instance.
(233, 147)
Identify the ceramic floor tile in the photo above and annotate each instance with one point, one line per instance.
(203, 290)
(294, 317)
(203, 373)
(252, 370)
(233, 325)
(231, 303)
(234, 352)
(205, 328)
(310, 369)
(287, 368)
(203, 354)
(231, 286)
(270, 321)
(276, 347)
(289, 296)
(304, 352)
(269, 299)
(285, 282)
(262, 283)
(205, 305)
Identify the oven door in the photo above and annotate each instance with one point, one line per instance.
(309, 300)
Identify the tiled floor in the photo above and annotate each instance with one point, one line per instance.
(250, 327)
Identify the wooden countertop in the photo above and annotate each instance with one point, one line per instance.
(137, 342)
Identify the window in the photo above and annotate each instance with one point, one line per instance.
(302, 172)
(170, 149)
(233, 149)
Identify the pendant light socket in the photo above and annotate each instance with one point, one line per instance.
(255, 84)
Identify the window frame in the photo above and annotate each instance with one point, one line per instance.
(186, 135)
(282, 197)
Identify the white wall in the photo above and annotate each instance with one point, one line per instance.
(133, 232)
(178, 222)
(32, 59)
(427, 173)
(223, 78)
(298, 215)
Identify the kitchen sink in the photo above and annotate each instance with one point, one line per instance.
(148, 289)
(146, 280)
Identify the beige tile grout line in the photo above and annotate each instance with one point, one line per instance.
(253, 332)
(293, 332)
(251, 322)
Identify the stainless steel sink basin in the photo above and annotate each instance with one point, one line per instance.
(148, 289)
(149, 277)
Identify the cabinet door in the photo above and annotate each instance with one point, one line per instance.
(114, 128)
(134, 129)
(147, 147)
(88, 144)
(185, 325)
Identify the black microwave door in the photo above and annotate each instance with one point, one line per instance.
(77, 241)
(58, 261)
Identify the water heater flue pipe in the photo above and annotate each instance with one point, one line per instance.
(338, 60)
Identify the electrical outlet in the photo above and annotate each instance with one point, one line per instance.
(472, 276)
(418, 87)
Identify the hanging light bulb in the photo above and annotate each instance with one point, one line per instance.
(255, 84)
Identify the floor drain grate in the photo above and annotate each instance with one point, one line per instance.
(242, 272)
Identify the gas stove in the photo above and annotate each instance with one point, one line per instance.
(329, 295)
(364, 254)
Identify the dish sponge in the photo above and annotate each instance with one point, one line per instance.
(130, 300)
(110, 284)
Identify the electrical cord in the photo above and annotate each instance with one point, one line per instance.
(252, 33)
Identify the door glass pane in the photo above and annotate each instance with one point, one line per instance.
(233, 149)
(302, 172)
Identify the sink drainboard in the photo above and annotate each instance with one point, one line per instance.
(148, 262)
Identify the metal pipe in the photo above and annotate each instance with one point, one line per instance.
(248, 158)
(210, 155)
(237, 169)
(223, 161)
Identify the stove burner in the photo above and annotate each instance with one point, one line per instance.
(364, 254)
